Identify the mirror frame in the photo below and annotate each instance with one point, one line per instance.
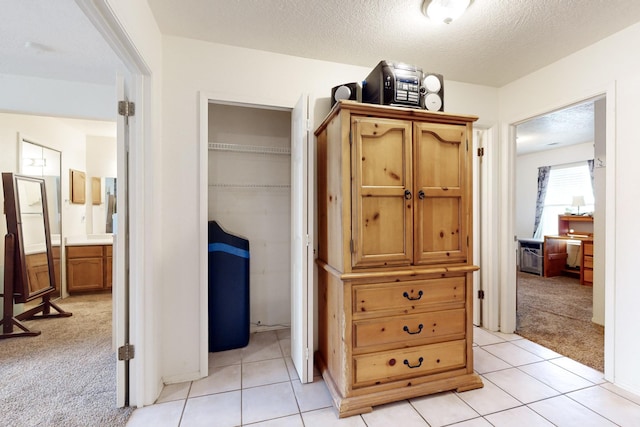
(55, 191)
(21, 289)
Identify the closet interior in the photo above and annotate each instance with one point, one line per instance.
(249, 195)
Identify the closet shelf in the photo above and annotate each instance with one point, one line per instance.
(276, 186)
(257, 149)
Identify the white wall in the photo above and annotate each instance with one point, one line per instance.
(527, 180)
(32, 95)
(249, 76)
(52, 133)
(605, 66)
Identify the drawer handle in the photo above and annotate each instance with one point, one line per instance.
(406, 295)
(406, 362)
(406, 329)
(407, 194)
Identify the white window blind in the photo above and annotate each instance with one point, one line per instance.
(565, 182)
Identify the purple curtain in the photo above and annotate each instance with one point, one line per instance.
(543, 180)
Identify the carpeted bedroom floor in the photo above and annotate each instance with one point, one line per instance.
(67, 375)
(556, 312)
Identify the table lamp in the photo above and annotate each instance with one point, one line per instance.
(577, 202)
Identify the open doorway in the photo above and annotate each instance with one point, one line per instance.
(559, 221)
(257, 165)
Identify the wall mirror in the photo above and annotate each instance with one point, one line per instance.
(43, 162)
(29, 267)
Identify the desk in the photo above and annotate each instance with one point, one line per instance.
(555, 257)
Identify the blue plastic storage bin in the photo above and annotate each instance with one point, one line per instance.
(228, 290)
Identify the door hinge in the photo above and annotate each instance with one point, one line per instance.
(308, 240)
(126, 108)
(480, 294)
(308, 125)
(126, 352)
(480, 151)
(306, 353)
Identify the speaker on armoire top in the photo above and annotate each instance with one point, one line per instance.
(432, 92)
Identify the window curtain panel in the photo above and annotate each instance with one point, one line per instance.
(591, 164)
(543, 180)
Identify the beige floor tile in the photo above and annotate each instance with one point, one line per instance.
(443, 409)
(172, 392)
(520, 385)
(220, 380)
(489, 399)
(586, 372)
(512, 354)
(521, 417)
(484, 362)
(264, 372)
(267, 402)
(160, 415)
(556, 377)
(613, 407)
(224, 358)
(329, 418)
(562, 411)
(220, 410)
(390, 414)
(290, 421)
(312, 396)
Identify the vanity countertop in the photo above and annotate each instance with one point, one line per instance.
(91, 239)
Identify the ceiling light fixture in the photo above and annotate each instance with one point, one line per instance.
(445, 11)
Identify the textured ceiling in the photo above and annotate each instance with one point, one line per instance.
(572, 125)
(493, 43)
(64, 43)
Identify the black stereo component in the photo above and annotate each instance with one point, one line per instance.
(351, 91)
(432, 92)
(393, 83)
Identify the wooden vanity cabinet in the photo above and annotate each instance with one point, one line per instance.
(394, 254)
(37, 271)
(89, 268)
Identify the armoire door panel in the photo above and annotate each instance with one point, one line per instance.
(440, 178)
(382, 212)
(439, 155)
(381, 237)
(440, 231)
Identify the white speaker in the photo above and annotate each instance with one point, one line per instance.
(432, 92)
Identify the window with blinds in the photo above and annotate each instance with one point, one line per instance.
(565, 182)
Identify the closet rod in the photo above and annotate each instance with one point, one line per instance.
(241, 148)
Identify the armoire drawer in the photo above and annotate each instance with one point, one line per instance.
(387, 366)
(405, 297)
(408, 329)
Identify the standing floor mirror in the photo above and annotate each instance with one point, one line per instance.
(29, 267)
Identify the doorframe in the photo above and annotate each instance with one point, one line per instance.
(205, 98)
(105, 21)
(507, 237)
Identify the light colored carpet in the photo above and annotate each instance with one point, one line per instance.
(556, 312)
(66, 376)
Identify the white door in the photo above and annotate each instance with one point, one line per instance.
(120, 286)
(302, 208)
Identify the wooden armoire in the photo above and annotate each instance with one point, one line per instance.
(394, 254)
